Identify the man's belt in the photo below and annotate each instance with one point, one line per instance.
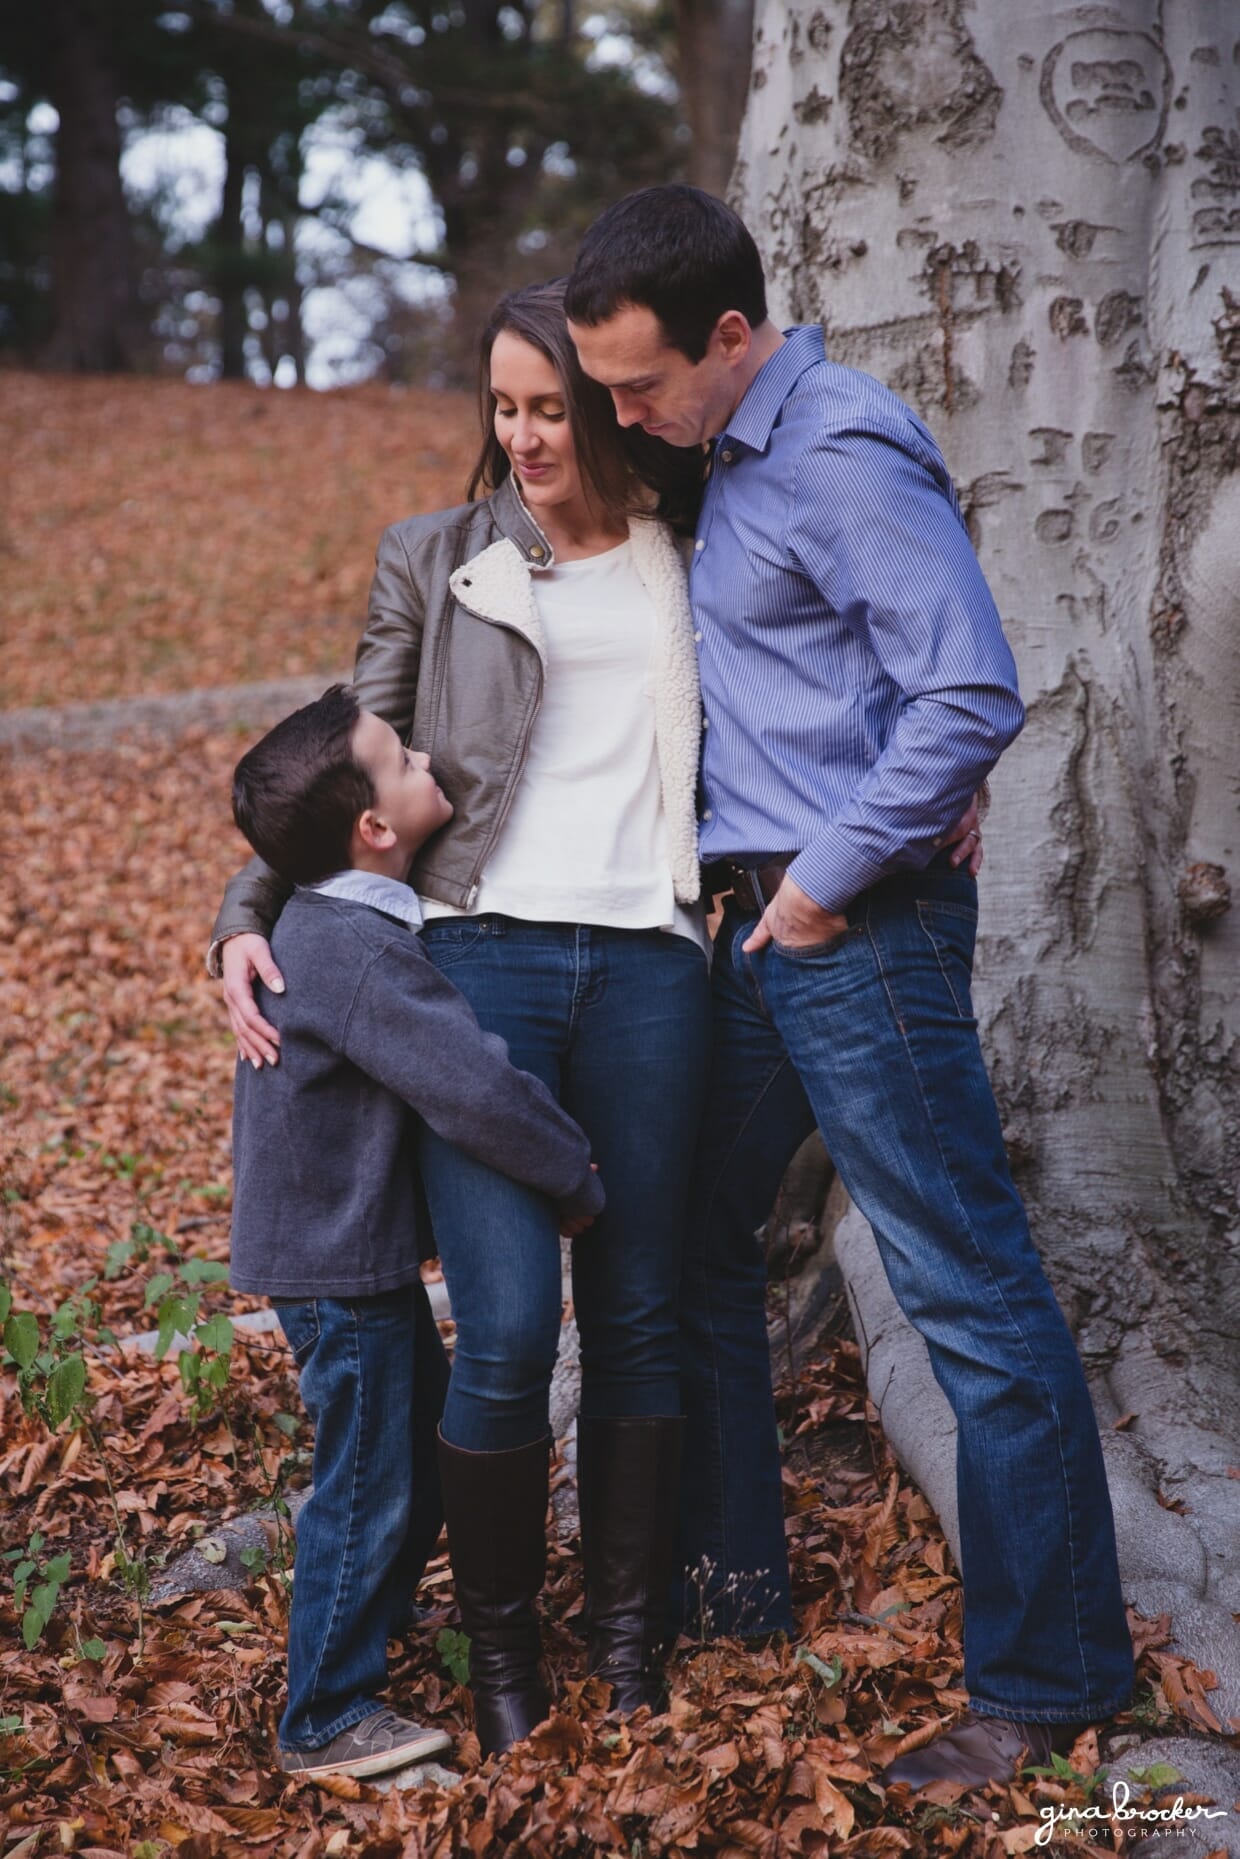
(753, 886)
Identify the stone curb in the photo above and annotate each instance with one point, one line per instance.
(96, 726)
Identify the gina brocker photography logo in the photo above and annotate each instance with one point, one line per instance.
(1166, 1820)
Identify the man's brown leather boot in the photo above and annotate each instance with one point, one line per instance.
(982, 1749)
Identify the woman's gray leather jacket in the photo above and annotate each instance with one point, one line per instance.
(453, 656)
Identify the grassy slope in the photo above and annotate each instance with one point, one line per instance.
(156, 536)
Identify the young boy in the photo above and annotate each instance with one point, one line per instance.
(324, 1216)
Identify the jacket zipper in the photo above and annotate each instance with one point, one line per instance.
(514, 778)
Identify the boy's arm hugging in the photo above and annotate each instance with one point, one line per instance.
(410, 1029)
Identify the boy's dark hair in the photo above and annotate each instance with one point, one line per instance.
(297, 793)
(619, 468)
(677, 251)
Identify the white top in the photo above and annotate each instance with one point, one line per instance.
(586, 839)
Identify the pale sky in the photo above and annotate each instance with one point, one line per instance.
(387, 207)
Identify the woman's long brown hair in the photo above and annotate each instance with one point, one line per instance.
(625, 472)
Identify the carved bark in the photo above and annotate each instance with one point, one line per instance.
(1027, 222)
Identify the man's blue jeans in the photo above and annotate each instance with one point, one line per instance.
(873, 1038)
(616, 1023)
(373, 1375)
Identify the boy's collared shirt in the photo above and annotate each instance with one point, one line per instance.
(392, 896)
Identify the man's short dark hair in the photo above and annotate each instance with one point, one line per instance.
(299, 791)
(674, 250)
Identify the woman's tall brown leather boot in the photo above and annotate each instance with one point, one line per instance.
(628, 1484)
(495, 1507)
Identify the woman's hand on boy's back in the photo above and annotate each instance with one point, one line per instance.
(245, 960)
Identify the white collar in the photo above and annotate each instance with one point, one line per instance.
(389, 895)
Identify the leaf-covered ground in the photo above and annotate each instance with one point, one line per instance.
(156, 536)
(115, 1088)
(132, 1731)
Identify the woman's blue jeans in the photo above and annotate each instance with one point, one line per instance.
(373, 1375)
(873, 1038)
(617, 1024)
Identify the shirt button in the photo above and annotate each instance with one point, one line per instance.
(708, 815)
(699, 545)
(726, 457)
(538, 551)
(697, 638)
(705, 722)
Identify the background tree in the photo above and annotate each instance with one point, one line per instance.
(25, 224)
(506, 107)
(1027, 222)
(713, 43)
(72, 54)
(270, 92)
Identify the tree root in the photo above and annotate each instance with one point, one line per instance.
(1164, 1562)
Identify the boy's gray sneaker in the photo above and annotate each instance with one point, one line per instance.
(380, 1742)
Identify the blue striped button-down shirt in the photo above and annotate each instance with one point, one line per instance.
(855, 677)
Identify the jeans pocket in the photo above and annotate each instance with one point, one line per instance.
(951, 930)
(675, 945)
(448, 939)
(809, 951)
(300, 1323)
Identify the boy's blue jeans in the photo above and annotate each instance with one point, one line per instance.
(373, 1375)
(616, 1023)
(873, 1038)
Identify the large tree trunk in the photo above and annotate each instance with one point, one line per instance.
(1027, 222)
(96, 322)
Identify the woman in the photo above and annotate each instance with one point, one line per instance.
(538, 644)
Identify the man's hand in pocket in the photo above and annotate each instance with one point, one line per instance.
(795, 920)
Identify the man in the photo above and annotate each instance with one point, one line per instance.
(857, 689)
